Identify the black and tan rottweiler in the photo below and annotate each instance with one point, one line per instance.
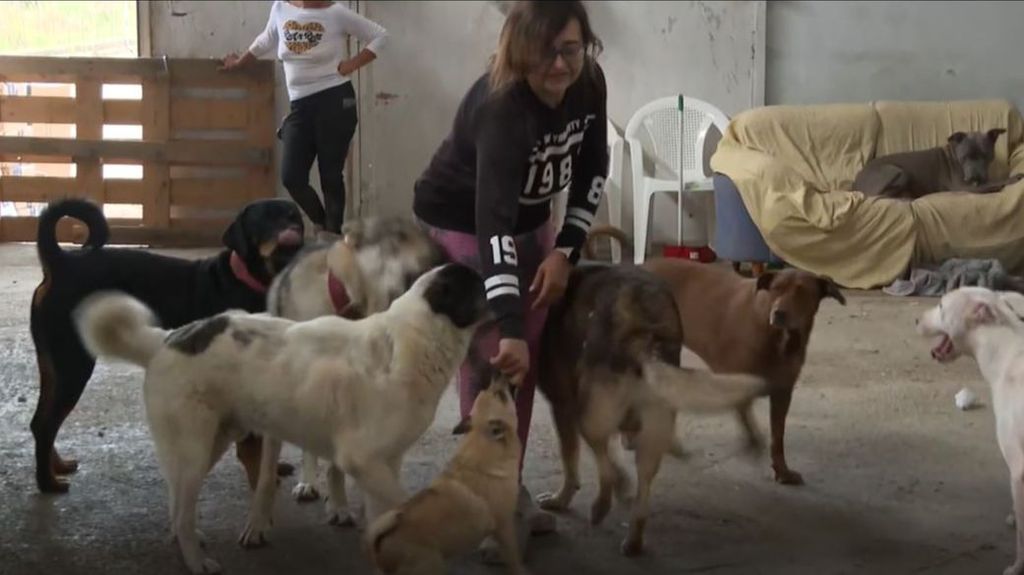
(259, 243)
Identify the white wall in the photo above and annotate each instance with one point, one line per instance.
(862, 51)
(408, 96)
(708, 50)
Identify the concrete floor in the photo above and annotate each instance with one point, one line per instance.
(898, 480)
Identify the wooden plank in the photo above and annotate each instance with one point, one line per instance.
(88, 109)
(122, 112)
(24, 229)
(156, 127)
(124, 191)
(197, 152)
(261, 126)
(42, 189)
(210, 114)
(262, 183)
(47, 69)
(217, 225)
(35, 158)
(205, 74)
(37, 109)
(214, 194)
(200, 237)
(89, 126)
(36, 189)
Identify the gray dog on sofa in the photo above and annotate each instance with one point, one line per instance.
(961, 165)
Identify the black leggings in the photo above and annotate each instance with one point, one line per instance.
(319, 126)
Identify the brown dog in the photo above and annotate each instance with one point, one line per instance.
(474, 497)
(738, 325)
(609, 365)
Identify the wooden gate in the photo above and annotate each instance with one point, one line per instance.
(201, 147)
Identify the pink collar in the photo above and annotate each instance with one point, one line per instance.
(242, 273)
(339, 297)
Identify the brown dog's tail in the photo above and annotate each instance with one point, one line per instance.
(375, 535)
(700, 391)
(605, 231)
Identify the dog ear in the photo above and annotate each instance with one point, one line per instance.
(981, 314)
(957, 137)
(830, 289)
(463, 427)
(235, 237)
(497, 429)
(764, 281)
(993, 134)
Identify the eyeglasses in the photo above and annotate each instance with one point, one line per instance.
(570, 53)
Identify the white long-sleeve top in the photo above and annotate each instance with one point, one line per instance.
(314, 43)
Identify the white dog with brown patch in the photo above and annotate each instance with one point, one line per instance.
(987, 326)
(357, 393)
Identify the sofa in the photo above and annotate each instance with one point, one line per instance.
(783, 179)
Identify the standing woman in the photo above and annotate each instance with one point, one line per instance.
(531, 127)
(310, 38)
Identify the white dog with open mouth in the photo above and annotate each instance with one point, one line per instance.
(357, 393)
(987, 326)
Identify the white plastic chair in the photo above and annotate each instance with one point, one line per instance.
(613, 185)
(676, 127)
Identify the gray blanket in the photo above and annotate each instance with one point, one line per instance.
(953, 274)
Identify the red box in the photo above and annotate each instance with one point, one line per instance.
(702, 254)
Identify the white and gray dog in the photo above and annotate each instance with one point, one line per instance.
(374, 262)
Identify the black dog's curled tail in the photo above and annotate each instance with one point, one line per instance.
(83, 210)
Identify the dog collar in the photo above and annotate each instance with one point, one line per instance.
(339, 296)
(243, 275)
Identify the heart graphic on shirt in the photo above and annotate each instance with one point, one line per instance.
(300, 38)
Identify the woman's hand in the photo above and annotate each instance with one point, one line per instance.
(551, 279)
(232, 61)
(513, 359)
(348, 67)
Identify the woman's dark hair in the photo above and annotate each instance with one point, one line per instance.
(530, 29)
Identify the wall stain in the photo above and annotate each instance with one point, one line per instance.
(385, 97)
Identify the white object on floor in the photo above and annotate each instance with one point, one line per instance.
(966, 399)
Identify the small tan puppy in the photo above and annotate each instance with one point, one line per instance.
(473, 498)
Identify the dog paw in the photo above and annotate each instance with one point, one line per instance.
(55, 485)
(65, 466)
(209, 567)
(632, 547)
(599, 510)
(254, 535)
(553, 501)
(341, 519)
(788, 477)
(490, 553)
(203, 566)
(624, 491)
(305, 492)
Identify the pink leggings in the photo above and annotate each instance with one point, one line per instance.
(531, 248)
